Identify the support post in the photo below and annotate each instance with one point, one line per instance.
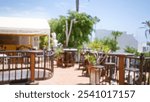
(141, 67)
(32, 66)
(121, 69)
(32, 69)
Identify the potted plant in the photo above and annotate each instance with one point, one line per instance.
(93, 57)
(59, 57)
(90, 61)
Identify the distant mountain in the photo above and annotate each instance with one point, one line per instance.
(101, 33)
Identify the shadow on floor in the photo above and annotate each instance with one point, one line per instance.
(83, 84)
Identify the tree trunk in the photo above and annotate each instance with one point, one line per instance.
(77, 5)
(68, 33)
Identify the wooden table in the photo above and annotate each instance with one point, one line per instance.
(69, 61)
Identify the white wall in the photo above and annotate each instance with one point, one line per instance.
(123, 41)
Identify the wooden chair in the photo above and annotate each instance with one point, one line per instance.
(82, 61)
(111, 69)
(146, 71)
(68, 59)
(139, 71)
(132, 70)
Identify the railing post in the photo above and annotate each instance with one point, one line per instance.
(121, 69)
(32, 66)
(32, 69)
(44, 55)
(52, 63)
(141, 67)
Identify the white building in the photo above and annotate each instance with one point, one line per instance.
(143, 47)
(123, 41)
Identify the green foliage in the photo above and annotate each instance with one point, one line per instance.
(81, 29)
(148, 43)
(129, 49)
(95, 45)
(134, 51)
(58, 52)
(116, 34)
(80, 49)
(43, 42)
(98, 45)
(111, 43)
(91, 58)
(106, 49)
(147, 54)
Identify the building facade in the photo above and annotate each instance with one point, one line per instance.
(123, 41)
(143, 47)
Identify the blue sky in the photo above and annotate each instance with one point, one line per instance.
(122, 15)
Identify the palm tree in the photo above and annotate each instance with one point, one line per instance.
(147, 31)
(147, 26)
(77, 5)
(116, 34)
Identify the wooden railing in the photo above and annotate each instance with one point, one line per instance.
(28, 66)
(140, 69)
(130, 69)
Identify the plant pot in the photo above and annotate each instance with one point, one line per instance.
(94, 75)
(59, 62)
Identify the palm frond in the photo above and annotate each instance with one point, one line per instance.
(147, 26)
(146, 32)
(141, 27)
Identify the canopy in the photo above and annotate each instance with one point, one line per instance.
(23, 26)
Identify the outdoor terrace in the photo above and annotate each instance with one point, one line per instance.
(30, 66)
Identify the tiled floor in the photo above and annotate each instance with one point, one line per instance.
(66, 76)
